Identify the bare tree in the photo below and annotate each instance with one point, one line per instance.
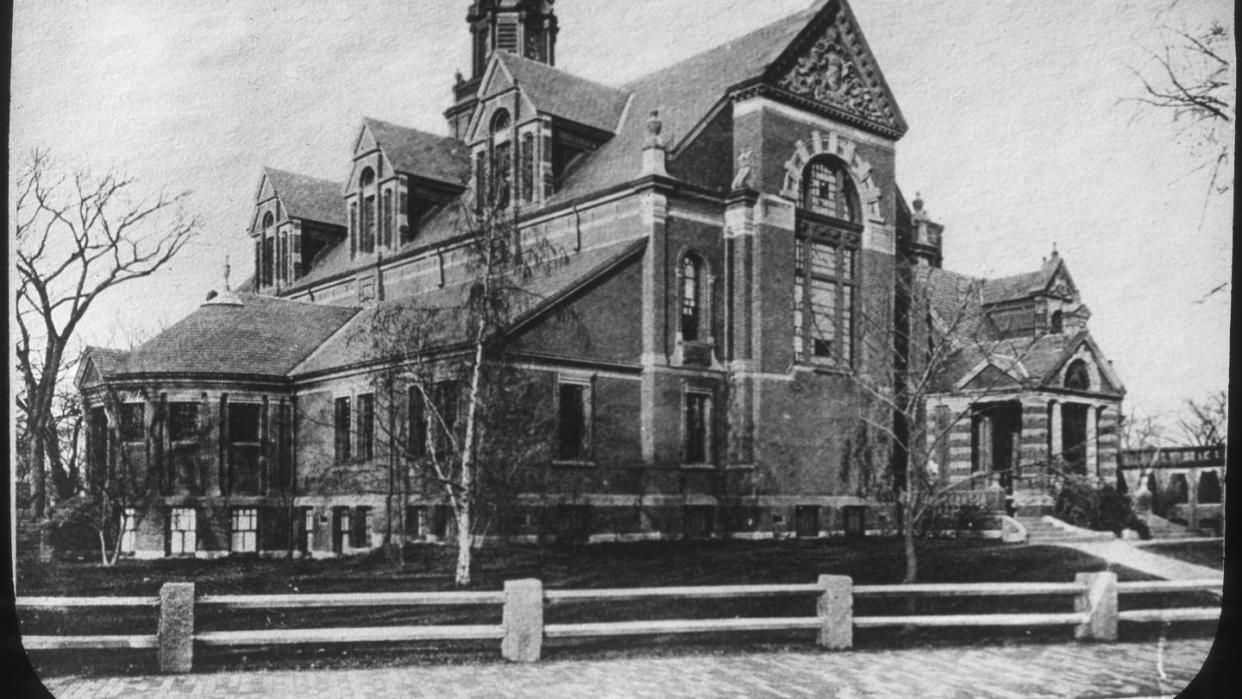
(1205, 422)
(76, 236)
(1190, 78)
(457, 417)
(932, 339)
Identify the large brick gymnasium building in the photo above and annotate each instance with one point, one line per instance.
(734, 251)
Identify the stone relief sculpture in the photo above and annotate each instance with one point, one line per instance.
(826, 74)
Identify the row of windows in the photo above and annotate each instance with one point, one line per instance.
(378, 221)
(495, 163)
(350, 528)
(278, 257)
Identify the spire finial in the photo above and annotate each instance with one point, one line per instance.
(226, 273)
(654, 128)
(1055, 254)
(918, 202)
(653, 146)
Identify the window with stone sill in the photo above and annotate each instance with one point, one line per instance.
(132, 422)
(182, 531)
(573, 428)
(696, 429)
(825, 265)
(691, 298)
(366, 426)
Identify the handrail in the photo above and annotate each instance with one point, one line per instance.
(68, 602)
(1141, 586)
(352, 599)
(690, 592)
(969, 589)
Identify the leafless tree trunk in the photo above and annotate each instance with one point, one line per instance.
(75, 237)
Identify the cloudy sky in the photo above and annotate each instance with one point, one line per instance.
(1020, 135)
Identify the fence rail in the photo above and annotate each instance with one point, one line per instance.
(1095, 614)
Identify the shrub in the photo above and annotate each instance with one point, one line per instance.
(1100, 507)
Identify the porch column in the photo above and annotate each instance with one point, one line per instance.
(1093, 454)
(1054, 432)
(1192, 498)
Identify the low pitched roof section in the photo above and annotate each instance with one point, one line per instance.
(264, 337)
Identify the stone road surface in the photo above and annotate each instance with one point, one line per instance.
(1017, 672)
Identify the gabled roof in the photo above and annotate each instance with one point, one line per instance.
(422, 154)
(565, 95)
(263, 336)
(1021, 286)
(438, 309)
(100, 363)
(686, 94)
(308, 198)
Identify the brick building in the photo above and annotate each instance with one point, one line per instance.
(733, 246)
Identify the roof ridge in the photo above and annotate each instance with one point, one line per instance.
(267, 169)
(505, 54)
(772, 56)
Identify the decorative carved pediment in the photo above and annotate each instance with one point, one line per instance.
(835, 68)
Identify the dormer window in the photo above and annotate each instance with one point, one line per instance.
(502, 159)
(366, 183)
(267, 251)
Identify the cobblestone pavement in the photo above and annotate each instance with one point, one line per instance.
(1018, 672)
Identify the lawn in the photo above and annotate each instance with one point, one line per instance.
(1204, 553)
(598, 566)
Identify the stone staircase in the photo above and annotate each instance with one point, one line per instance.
(1162, 528)
(1042, 529)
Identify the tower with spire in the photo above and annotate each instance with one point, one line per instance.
(526, 28)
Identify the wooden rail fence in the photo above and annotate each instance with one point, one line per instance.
(1095, 614)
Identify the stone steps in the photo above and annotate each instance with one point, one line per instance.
(1040, 530)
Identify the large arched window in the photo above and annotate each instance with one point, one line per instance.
(366, 182)
(827, 190)
(691, 297)
(825, 265)
(1077, 377)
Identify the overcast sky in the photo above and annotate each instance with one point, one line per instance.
(1019, 134)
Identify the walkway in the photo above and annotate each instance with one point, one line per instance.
(1123, 553)
(1012, 672)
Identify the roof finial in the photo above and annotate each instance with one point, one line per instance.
(653, 146)
(1055, 254)
(918, 202)
(226, 273)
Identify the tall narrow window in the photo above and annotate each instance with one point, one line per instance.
(823, 302)
(691, 299)
(366, 180)
(387, 215)
(182, 421)
(445, 422)
(528, 167)
(354, 235)
(245, 530)
(502, 159)
(418, 424)
(696, 428)
(572, 428)
(341, 532)
(244, 448)
(342, 429)
(366, 426)
(132, 426)
(268, 254)
(182, 531)
(1057, 324)
(361, 534)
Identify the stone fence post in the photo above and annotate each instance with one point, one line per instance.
(1099, 602)
(176, 630)
(523, 621)
(835, 609)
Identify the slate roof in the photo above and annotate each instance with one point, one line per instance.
(566, 95)
(108, 361)
(684, 93)
(422, 154)
(1020, 286)
(438, 309)
(264, 336)
(308, 198)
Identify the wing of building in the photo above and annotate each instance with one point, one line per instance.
(735, 282)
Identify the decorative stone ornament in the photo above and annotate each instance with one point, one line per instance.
(845, 150)
(741, 179)
(836, 70)
(654, 155)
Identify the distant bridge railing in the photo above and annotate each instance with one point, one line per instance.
(1094, 615)
(1172, 457)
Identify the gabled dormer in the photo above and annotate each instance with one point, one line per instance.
(295, 218)
(1044, 301)
(398, 179)
(533, 124)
